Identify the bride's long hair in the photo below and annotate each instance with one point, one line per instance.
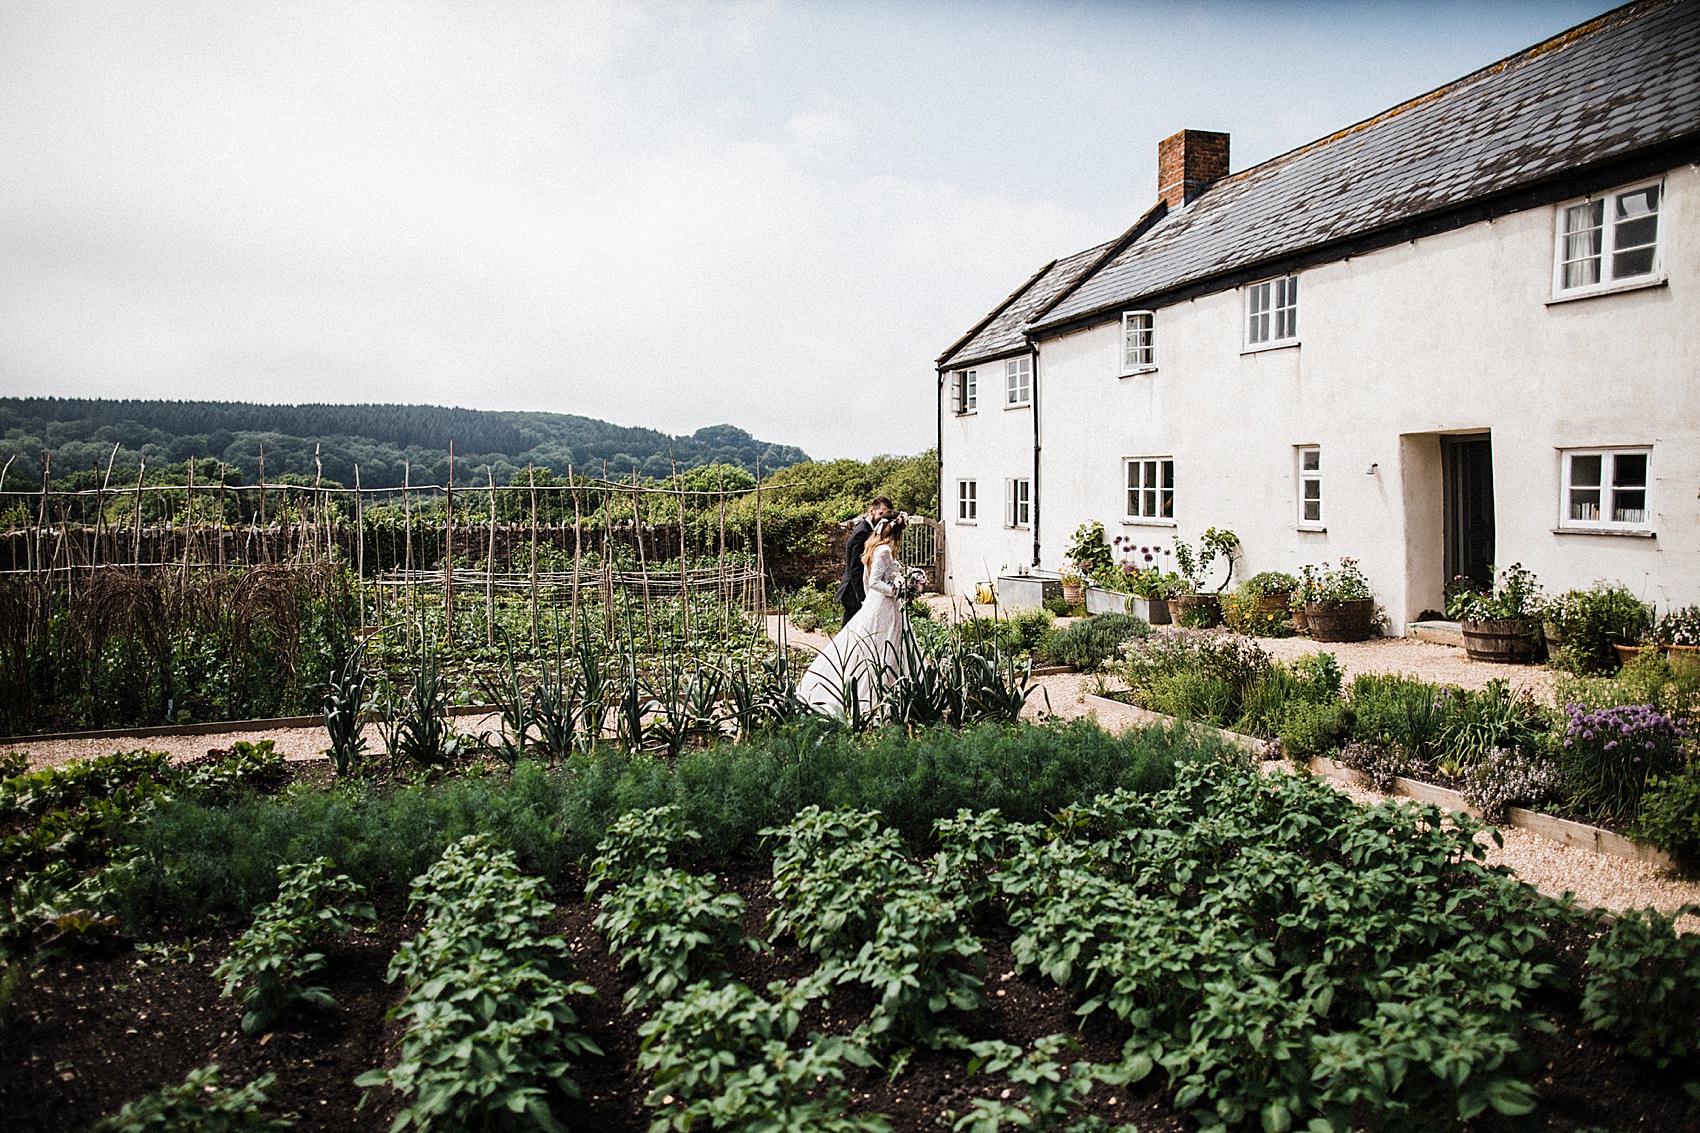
(887, 533)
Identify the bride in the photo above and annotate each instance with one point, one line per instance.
(861, 660)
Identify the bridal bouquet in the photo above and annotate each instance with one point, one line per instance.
(908, 583)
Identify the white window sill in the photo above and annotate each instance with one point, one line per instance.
(967, 412)
(1140, 521)
(1019, 405)
(1018, 527)
(1134, 373)
(1609, 289)
(1311, 529)
(1284, 344)
(967, 522)
(1619, 532)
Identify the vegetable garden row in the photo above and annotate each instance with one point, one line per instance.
(1008, 926)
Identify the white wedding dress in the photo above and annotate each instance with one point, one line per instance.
(863, 657)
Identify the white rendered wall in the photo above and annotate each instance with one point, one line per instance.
(990, 445)
(1452, 334)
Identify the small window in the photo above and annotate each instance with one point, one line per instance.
(1150, 488)
(1018, 503)
(964, 391)
(967, 501)
(1310, 486)
(1613, 239)
(1272, 312)
(1606, 489)
(1018, 380)
(1138, 343)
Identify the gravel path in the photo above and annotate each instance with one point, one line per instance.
(1438, 664)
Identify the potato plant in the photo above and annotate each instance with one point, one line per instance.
(491, 1026)
(269, 964)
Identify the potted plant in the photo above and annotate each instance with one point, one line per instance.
(1586, 628)
(1338, 604)
(1073, 584)
(1152, 588)
(1261, 605)
(1146, 580)
(1503, 624)
(1679, 633)
(1196, 607)
(1090, 556)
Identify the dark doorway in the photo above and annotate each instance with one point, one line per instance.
(1466, 466)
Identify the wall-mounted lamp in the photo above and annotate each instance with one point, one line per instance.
(1372, 469)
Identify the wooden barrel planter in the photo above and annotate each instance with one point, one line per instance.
(1341, 621)
(1273, 604)
(1505, 641)
(1196, 609)
(1301, 624)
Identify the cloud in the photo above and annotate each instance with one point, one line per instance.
(669, 215)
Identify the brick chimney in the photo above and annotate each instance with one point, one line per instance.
(1188, 162)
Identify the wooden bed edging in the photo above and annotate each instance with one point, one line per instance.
(1564, 831)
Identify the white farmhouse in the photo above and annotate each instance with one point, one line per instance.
(1465, 331)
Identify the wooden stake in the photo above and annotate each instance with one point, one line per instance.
(490, 565)
(265, 549)
(578, 551)
(684, 573)
(136, 551)
(761, 562)
(531, 477)
(643, 562)
(449, 555)
(359, 551)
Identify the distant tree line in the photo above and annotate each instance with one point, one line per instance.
(382, 439)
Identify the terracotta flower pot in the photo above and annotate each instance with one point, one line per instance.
(1627, 653)
(1506, 641)
(1073, 593)
(1341, 621)
(1683, 656)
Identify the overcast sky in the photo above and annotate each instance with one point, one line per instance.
(672, 215)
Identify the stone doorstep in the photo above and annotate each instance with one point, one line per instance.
(1440, 633)
(1564, 831)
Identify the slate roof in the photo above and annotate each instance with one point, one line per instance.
(1618, 84)
(1003, 331)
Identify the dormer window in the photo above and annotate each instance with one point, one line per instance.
(1272, 313)
(1608, 242)
(1139, 348)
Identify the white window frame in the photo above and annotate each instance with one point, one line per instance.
(1018, 382)
(1144, 496)
(1606, 488)
(967, 501)
(964, 392)
(1018, 502)
(1608, 250)
(1139, 342)
(1269, 318)
(1307, 477)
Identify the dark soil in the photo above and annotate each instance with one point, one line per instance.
(94, 1029)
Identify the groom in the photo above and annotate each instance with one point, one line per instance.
(850, 592)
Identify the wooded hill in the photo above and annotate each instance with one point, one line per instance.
(79, 434)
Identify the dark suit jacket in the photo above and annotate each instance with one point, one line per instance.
(851, 588)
